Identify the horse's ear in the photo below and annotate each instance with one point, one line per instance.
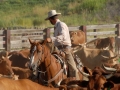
(30, 41)
(45, 41)
(41, 41)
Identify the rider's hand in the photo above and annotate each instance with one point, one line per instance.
(49, 40)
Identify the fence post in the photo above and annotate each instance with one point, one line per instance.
(83, 28)
(7, 40)
(94, 30)
(47, 33)
(118, 29)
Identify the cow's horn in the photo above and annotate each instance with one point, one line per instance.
(92, 41)
(9, 56)
(108, 76)
(83, 45)
(108, 68)
(108, 58)
(75, 49)
(84, 74)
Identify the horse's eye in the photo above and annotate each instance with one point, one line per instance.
(39, 51)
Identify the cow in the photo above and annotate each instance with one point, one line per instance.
(22, 84)
(117, 44)
(24, 73)
(116, 75)
(5, 64)
(14, 77)
(77, 37)
(94, 57)
(111, 74)
(104, 43)
(96, 79)
(109, 85)
(19, 58)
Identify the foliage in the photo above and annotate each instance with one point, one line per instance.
(74, 12)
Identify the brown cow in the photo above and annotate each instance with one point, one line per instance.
(109, 85)
(95, 82)
(94, 57)
(104, 43)
(115, 77)
(22, 84)
(5, 64)
(77, 37)
(19, 58)
(24, 73)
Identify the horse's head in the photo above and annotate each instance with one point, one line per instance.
(36, 50)
(42, 61)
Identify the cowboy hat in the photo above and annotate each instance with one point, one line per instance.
(52, 13)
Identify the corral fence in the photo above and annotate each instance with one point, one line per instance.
(17, 38)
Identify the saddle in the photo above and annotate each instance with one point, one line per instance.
(60, 53)
(61, 60)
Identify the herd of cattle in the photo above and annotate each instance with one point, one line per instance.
(100, 67)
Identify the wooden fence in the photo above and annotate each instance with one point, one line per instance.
(17, 39)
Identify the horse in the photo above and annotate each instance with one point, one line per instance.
(45, 66)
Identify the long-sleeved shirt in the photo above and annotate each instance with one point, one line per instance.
(61, 34)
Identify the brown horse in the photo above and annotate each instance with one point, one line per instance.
(43, 63)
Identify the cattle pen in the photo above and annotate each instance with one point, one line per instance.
(17, 38)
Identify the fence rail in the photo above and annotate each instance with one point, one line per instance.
(17, 39)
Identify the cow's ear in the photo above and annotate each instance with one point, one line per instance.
(71, 32)
(45, 42)
(3, 57)
(109, 85)
(76, 33)
(1, 60)
(87, 70)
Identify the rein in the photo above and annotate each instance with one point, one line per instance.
(36, 65)
(52, 79)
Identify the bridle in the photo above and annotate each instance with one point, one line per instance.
(35, 67)
(39, 52)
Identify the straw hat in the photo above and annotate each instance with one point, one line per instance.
(52, 13)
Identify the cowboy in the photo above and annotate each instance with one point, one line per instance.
(62, 41)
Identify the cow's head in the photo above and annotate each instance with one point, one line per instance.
(110, 85)
(77, 37)
(5, 64)
(96, 78)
